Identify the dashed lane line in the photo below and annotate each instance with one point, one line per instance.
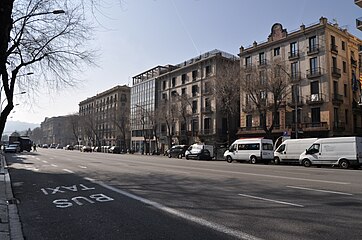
(320, 190)
(217, 227)
(67, 170)
(271, 200)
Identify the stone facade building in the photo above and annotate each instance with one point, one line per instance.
(104, 118)
(322, 63)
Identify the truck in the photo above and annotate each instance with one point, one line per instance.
(290, 150)
(24, 142)
(344, 152)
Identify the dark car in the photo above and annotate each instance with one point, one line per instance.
(12, 148)
(177, 151)
(114, 149)
(204, 154)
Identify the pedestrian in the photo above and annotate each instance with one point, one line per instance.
(34, 148)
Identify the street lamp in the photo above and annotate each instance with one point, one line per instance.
(55, 12)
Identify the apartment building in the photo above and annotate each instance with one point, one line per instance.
(104, 118)
(324, 94)
(59, 130)
(188, 101)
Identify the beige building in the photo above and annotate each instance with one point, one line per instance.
(105, 118)
(59, 130)
(322, 66)
(186, 93)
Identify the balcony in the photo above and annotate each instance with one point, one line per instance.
(337, 99)
(334, 48)
(248, 68)
(336, 72)
(295, 76)
(353, 62)
(293, 55)
(207, 110)
(359, 23)
(314, 126)
(314, 73)
(313, 49)
(315, 99)
(358, 3)
(248, 108)
(262, 63)
(339, 126)
(298, 101)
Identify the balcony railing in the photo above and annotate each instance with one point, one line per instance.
(316, 98)
(337, 98)
(314, 126)
(334, 48)
(336, 72)
(207, 110)
(353, 62)
(314, 72)
(293, 55)
(262, 62)
(313, 49)
(295, 76)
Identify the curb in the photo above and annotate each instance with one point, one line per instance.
(13, 221)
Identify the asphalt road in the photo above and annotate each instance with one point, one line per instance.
(74, 195)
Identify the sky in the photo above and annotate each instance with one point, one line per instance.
(133, 36)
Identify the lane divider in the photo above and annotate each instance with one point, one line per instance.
(270, 200)
(320, 190)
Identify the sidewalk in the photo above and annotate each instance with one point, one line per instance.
(10, 226)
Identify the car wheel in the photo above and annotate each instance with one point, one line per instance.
(179, 156)
(187, 157)
(307, 163)
(169, 156)
(276, 161)
(344, 164)
(229, 159)
(253, 160)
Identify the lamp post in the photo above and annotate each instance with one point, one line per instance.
(55, 12)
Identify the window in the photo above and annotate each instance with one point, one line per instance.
(314, 87)
(313, 46)
(208, 70)
(173, 82)
(335, 89)
(183, 91)
(344, 67)
(262, 60)
(345, 90)
(333, 40)
(163, 85)
(207, 104)
(262, 120)
(207, 123)
(313, 65)
(295, 93)
(262, 75)
(194, 106)
(276, 51)
(164, 96)
(248, 61)
(207, 87)
(249, 121)
(316, 115)
(194, 75)
(294, 70)
(183, 78)
(195, 90)
(334, 62)
(336, 117)
(346, 116)
(276, 119)
(293, 49)
(343, 46)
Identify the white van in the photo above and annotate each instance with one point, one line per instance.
(252, 150)
(342, 151)
(290, 150)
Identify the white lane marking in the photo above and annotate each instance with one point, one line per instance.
(45, 161)
(37, 158)
(53, 165)
(188, 217)
(82, 166)
(320, 190)
(67, 170)
(271, 200)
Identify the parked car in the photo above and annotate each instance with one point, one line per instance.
(45, 145)
(177, 151)
(114, 149)
(97, 149)
(203, 154)
(86, 149)
(195, 151)
(290, 150)
(69, 147)
(12, 148)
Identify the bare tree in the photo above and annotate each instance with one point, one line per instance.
(184, 112)
(74, 122)
(37, 135)
(167, 115)
(36, 36)
(226, 90)
(266, 88)
(122, 123)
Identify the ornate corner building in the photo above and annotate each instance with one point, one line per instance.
(323, 67)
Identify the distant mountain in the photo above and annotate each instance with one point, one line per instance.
(12, 126)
